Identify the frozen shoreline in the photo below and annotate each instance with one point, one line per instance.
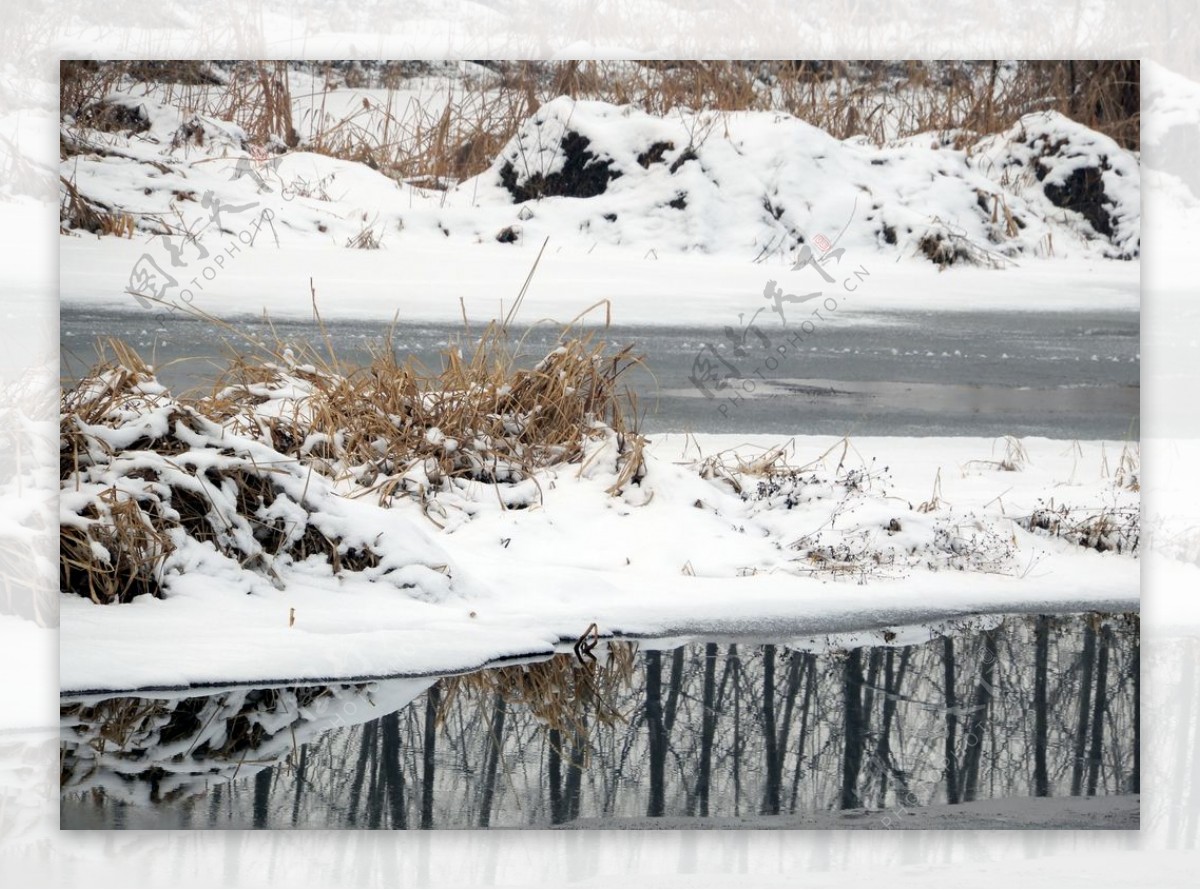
(528, 579)
(423, 280)
(896, 626)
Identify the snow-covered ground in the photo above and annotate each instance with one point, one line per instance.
(24, 645)
(675, 554)
(845, 857)
(754, 184)
(695, 218)
(685, 219)
(425, 280)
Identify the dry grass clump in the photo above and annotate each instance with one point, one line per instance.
(561, 692)
(259, 99)
(255, 95)
(84, 83)
(77, 212)
(859, 529)
(114, 117)
(1128, 474)
(141, 471)
(1115, 526)
(111, 551)
(1015, 458)
(367, 239)
(115, 553)
(1116, 529)
(428, 145)
(482, 417)
(772, 480)
(945, 245)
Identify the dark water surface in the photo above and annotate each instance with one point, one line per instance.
(1056, 374)
(996, 707)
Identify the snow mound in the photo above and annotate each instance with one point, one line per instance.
(750, 185)
(712, 182)
(1054, 163)
(152, 490)
(547, 157)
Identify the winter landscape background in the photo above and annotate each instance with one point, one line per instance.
(1172, 240)
(429, 508)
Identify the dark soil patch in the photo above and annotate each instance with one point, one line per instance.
(688, 155)
(1083, 192)
(654, 154)
(942, 250)
(583, 174)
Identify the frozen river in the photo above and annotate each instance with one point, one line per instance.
(717, 733)
(1070, 375)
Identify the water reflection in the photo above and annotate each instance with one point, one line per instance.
(999, 708)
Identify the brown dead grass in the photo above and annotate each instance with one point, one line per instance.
(439, 143)
(482, 417)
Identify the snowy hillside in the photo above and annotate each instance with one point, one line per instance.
(747, 185)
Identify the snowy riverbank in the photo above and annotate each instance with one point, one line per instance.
(687, 218)
(677, 554)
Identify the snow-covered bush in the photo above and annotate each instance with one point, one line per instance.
(393, 425)
(247, 481)
(151, 488)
